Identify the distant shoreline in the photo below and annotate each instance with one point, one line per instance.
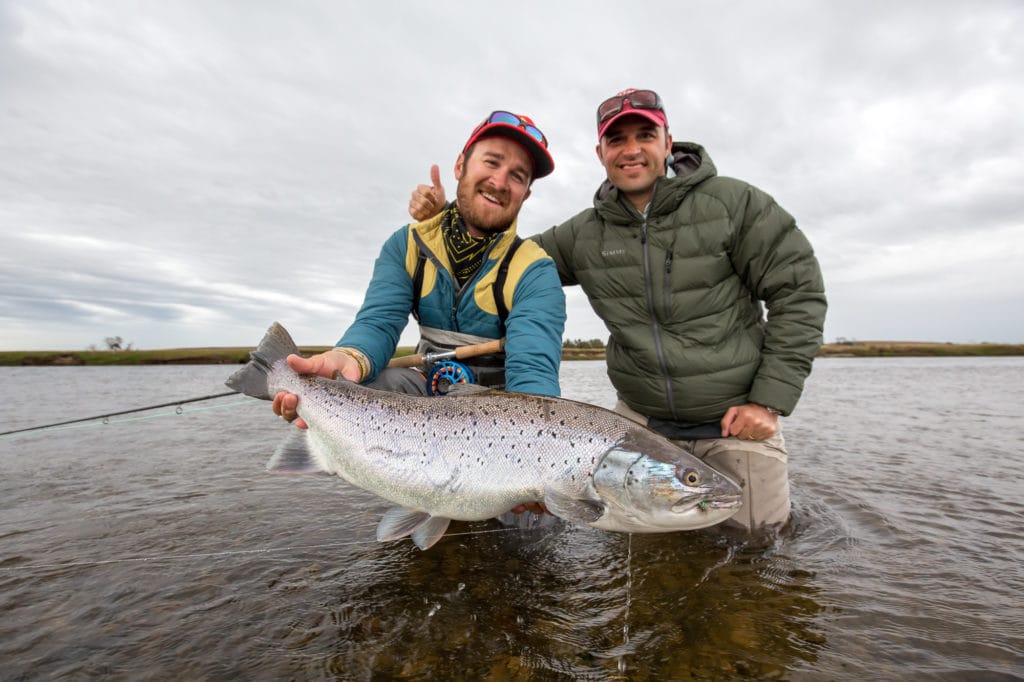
(237, 356)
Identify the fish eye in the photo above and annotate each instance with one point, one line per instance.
(690, 477)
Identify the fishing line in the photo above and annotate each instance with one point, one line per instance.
(213, 555)
(106, 417)
(629, 600)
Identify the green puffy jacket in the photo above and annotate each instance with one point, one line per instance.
(681, 290)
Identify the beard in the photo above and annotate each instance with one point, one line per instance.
(479, 214)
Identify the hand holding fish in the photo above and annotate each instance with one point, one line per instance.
(326, 365)
(750, 422)
(428, 200)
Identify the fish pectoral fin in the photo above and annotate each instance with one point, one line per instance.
(294, 457)
(430, 531)
(572, 509)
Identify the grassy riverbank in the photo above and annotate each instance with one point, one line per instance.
(234, 356)
(876, 349)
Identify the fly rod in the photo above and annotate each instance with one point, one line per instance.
(406, 361)
(421, 359)
(118, 414)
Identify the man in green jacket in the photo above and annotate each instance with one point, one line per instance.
(681, 265)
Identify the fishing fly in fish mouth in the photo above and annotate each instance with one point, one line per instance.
(475, 454)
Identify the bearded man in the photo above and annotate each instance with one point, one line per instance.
(465, 276)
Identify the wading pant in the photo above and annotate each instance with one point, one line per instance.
(400, 380)
(759, 466)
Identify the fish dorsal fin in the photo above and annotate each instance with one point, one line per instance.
(399, 522)
(462, 390)
(293, 456)
(572, 509)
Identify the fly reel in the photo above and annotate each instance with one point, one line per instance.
(443, 375)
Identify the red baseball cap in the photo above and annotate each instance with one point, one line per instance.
(520, 129)
(630, 102)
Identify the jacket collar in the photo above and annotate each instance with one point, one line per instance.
(430, 232)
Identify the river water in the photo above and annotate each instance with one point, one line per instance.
(157, 547)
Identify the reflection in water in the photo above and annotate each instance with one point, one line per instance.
(524, 604)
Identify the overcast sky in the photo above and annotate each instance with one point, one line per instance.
(185, 173)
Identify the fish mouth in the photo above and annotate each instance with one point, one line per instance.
(707, 503)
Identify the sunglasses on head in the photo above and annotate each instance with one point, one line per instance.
(638, 99)
(508, 118)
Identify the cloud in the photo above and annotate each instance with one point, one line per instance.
(183, 174)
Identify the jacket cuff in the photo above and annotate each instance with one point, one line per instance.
(777, 394)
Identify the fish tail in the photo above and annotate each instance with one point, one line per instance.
(252, 379)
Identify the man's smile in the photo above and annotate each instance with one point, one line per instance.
(492, 198)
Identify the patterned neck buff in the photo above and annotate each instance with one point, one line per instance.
(465, 252)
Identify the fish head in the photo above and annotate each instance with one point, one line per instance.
(648, 484)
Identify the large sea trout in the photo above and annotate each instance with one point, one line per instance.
(473, 455)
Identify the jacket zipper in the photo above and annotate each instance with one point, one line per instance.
(655, 326)
(458, 297)
(471, 281)
(667, 286)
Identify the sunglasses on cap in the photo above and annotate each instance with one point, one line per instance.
(638, 99)
(508, 118)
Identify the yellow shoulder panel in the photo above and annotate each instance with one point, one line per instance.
(527, 254)
(412, 252)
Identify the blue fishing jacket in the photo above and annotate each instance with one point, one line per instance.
(533, 297)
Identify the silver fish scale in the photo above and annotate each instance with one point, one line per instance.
(496, 450)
